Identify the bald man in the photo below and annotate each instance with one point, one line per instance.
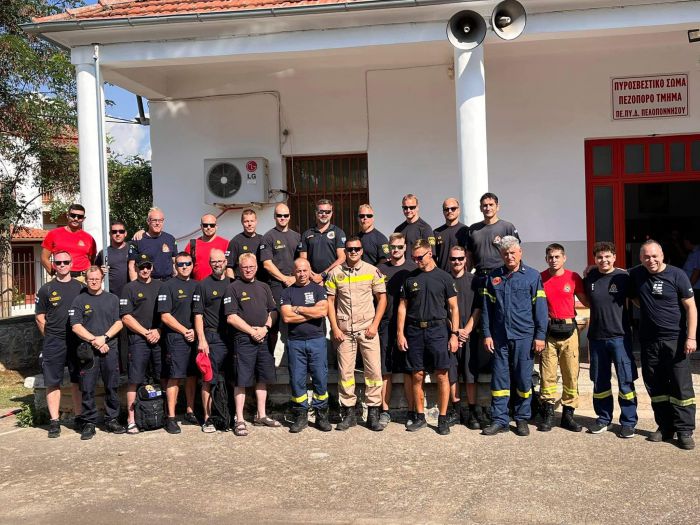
(200, 248)
(452, 233)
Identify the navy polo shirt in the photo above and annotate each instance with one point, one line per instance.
(320, 247)
(161, 249)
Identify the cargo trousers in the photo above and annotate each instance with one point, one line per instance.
(371, 356)
(563, 354)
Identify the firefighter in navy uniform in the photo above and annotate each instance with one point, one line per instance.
(514, 321)
(323, 244)
(210, 326)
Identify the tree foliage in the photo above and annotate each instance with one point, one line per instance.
(130, 190)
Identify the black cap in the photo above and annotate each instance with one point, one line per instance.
(143, 259)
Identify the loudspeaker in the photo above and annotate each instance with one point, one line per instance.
(508, 19)
(466, 30)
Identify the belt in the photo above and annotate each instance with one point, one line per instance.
(485, 271)
(426, 324)
(563, 321)
(78, 274)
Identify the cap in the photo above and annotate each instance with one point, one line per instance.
(204, 365)
(143, 258)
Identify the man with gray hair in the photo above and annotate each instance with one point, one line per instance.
(514, 321)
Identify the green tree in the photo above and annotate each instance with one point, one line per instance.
(130, 190)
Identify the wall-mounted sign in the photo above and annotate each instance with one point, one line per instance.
(650, 96)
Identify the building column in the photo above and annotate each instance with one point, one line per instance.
(470, 91)
(89, 150)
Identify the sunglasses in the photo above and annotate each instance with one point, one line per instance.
(62, 263)
(118, 232)
(404, 208)
(419, 258)
(353, 249)
(324, 212)
(365, 215)
(157, 221)
(145, 266)
(208, 225)
(450, 209)
(282, 215)
(455, 259)
(78, 216)
(397, 246)
(184, 264)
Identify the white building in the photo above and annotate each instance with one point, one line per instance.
(368, 100)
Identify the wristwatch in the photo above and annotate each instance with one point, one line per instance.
(324, 275)
(107, 338)
(455, 333)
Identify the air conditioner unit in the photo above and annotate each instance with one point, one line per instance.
(236, 181)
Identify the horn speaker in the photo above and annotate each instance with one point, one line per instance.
(508, 19)
(466, 30)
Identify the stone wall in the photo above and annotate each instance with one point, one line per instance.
(20, 343)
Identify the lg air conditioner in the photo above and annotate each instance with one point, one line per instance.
(236, 181)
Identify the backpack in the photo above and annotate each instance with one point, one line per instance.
(149, 412)
(220, 415)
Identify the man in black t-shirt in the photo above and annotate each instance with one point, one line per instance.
(452, 233)
(667, 333)
(426, 328)
(414, 228)
(137, 308)
(248, 241)
(53, 301)
(609, 341)
(210, 326)
(94, 317)
(303, 307)
(175, 308)
(375, 246)
(484, 236)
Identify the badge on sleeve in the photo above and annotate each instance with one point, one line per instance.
(496, 281)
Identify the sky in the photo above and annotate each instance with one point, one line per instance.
(127, 139)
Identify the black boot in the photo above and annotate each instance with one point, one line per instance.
(322, 422)
(453, 414)
(349, 418)
(547, 418)
(568, 422)
(475, 414)
(485, 419)
(373, 419)
(301, 420)
(443, 427)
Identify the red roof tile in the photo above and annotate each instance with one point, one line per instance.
(111, 9)
(28, 234)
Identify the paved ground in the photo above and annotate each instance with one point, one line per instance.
(352, 477)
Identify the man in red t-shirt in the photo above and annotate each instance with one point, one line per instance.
(561, 348)
(203, 247)
(72, 239)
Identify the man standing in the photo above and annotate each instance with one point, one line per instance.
(375, 246)
(667, 334)
(94, 317)
(609, 341)
(323, 244)
(175, 308)
(422, 330)
(53, 301)
(210, 325)
(116, 264)
(201, 248)
(304, 306)
(414, 228)
(137, 308)
(158, 245)
(561, 347)
(248, 241)
(72, 239)
(452, 233)
(249, 309)
(514, 321)
(395, 271)
(485, 236)
(277, 253)
(352, 290)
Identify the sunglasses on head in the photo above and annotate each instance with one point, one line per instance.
(76, 216)
(450, 209)
(184, 264)
(365, 215)
(397, 246)
(208, 225)
(324, 212)
(145, 266)
(419, 258)
(62, 263)
(118, 232)
(404, 208)
(455, 259)
(353, 249)
(282, 215)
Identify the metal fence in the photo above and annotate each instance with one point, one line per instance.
(19, 282)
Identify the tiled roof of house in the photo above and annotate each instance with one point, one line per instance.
(28, 234)
(111, 9)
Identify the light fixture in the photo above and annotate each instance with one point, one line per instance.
(693, 35)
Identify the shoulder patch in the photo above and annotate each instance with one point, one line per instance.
(496, 281)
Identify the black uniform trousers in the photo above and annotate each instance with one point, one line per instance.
(276, 288)
(667, 377)
(107, 367)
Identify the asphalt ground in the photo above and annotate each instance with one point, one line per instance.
(358, 476)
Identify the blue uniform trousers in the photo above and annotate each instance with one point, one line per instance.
(304, 357)
(105, 366)
(512, 359)
(604, 353)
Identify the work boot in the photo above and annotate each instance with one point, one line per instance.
(171, 426)
(453, 414)
(322, 422)
(410, 417)
(475, 413)
(349, 418)
(114, 427)
(54, 428)
(88, 431)
(444, 425)
(485, 419)
(567, 420)
(493, 429)
(686, 441)
(384, 418)
(521, 428)
(660, 435)
(373, 419)
(547, 418)
(417, 423)
(301, 420)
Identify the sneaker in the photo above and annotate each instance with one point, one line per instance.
(686, 441)
(114, 427)
(171, 426)
(54, 428)
(208, 427)
(191, 419)
(417, 423)
(384, 419)
(660, 435)
(599, 428)
(493, 429)
(627, 432)
(410, 418)
(88, 431)
(444, 424)
(452, 417)
(521, 428)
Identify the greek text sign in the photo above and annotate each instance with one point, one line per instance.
(650, 96)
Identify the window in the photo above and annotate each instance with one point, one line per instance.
(340, 178)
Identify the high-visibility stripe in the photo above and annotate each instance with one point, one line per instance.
(660, 399)
(548, 389)
(348, 383)
(500, 393)
(373, 382)
(570, 391)
(352, 278)
(682, 402)
(322, 397)
(330, 284)
(628, 395)
(524, 394)
(487, 294)
(300, 399)
(602, 395)
(540, 293)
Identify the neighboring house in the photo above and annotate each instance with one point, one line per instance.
(367, 100)
(27, 273)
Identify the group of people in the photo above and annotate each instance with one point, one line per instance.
(456, 302)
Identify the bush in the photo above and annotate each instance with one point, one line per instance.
(29, 417)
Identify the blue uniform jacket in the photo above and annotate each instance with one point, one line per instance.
(514, 305)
